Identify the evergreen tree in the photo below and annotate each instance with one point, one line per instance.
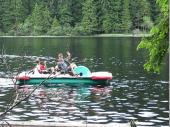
(40, 19)
(112, 16)
(53, 7)
(13, 13)
(125, 17)
(20, 11)
(65, 16)
(147, 23)
(154, 9)
(7, 16)
(89, 21)
(55, 23)
(108, 16)
(139, 9)
(1, 12)
(100, 15)
(76, 11)
(29, 5)
(116, 18)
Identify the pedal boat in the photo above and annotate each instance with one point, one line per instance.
(82, 75)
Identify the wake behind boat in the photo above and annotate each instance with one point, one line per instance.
(82, 75)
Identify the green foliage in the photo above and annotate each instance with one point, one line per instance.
(65, 15)
(55, 23)
(89, 21)
(78, 30)
(7, 17)
(60, 31)
(20, 11)
(116, 20)
(125, 17)
(36, 17)
(26, 27)
(76, 11)
(147, 23)
(154, 9)
(40, 19)
(138, 10)
(157, 45)
(38, 22)
(108, 17)
(107, 23)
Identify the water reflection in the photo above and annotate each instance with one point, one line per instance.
(65, 102)
(89, 104)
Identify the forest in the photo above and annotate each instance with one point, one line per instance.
(76, 17)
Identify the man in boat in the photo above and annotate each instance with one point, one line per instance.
(64, 65)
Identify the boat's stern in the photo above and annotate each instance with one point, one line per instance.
(101, 76)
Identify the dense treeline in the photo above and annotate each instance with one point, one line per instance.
(76, 17)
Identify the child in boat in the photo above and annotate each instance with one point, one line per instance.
(41, 66)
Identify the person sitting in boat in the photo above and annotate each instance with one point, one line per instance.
(68, 58)
(62, 64)
(41, 66)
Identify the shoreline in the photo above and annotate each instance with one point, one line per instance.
(98, 35)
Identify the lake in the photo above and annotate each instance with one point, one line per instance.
(133, 94)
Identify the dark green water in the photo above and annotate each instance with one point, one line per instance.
(133, 93)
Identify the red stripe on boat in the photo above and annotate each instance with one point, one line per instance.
(101, 77)
(23, 78)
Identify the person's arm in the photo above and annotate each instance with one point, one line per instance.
(68, 56)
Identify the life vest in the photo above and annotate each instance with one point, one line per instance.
(42, 67)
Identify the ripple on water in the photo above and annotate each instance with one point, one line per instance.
(57, 119)
(156, 121)
(145, 123)
(1, 95)
(106, 113)
(104, 108)
(38, 111)
(13, 117)
(96, 119)
(98, 109)
(163, 118)
(147, 114)
(131, 110)
(166, 112)
(30, 114)
(6, 82)
(19, 110)
(116, 120)
(67, 108)
(164, 101)
(131, 118)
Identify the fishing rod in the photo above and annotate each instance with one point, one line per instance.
(25, 98)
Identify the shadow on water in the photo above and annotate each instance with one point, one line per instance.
(132, 94)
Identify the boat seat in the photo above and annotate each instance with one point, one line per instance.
(82, 71)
